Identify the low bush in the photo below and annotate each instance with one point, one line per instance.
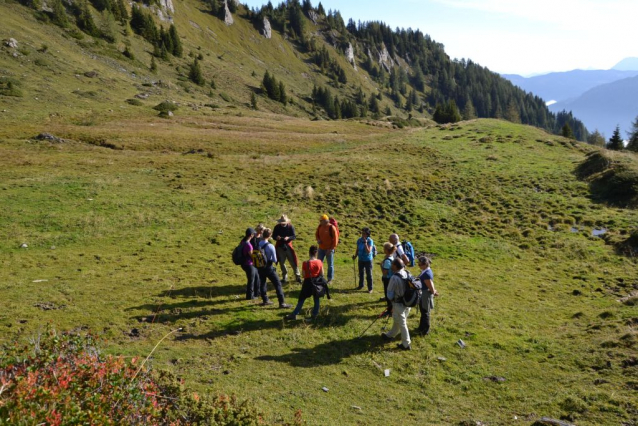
(63, 379)
(166, 106)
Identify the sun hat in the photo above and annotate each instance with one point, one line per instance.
(283, 219)
(324, 217)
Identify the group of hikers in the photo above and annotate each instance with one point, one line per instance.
(258, 257)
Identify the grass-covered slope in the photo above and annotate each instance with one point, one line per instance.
(134, 242)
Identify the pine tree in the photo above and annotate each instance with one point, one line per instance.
(85, 20)
(615, 143)
(177, 43)
(566, 131)
(195, 74)
(59, 16)
(632, 145)
(253, 101)
(153, 67)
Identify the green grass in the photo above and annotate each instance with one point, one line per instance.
(140, 238)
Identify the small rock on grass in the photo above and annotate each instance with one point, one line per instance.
(442, 359)
(24, 245)
(497, 379)
(325, 389)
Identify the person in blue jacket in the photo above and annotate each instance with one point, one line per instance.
(365, 252)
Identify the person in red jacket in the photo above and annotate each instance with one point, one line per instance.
(327, 239)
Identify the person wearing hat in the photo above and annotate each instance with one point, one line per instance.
(365, 253)
(252, 276)
(284, 235)
(327, 240)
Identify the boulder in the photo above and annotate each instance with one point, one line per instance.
(11, 43)
(350, 55)
(228, 17)
(49, 137)
(91, 74)
(266, 31)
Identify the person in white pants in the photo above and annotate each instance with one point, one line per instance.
(400, 312)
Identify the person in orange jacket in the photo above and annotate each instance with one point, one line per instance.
(327, 238)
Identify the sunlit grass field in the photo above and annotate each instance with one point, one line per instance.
(134, 242)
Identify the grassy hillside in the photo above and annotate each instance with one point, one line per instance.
(134, 242)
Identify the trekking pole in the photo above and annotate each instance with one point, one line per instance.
(375, 320)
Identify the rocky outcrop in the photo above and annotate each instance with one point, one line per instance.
(167, 5)
(350, 56)
(266, 30)
(228, 17)
(312, 15)
(385, 59)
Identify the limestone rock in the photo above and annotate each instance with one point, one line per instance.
(24, 245)
(385, 59)
(11, 43)
(228, 17)
(350, 55)
(167, 5)
(266, 30)
(313, 16)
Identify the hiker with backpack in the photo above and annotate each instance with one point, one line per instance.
(365, 252)
(266, 270)
(386, 272)
(242, 255)
(327, 236)
(398, 292)
(259, 229)
(284, 235)
(429, 293)
(400, 253)
(313, 284)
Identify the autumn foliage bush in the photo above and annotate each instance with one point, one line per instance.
(62, 379)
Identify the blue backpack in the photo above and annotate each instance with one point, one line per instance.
(409, 251)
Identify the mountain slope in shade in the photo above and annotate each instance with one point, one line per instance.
(564, 86)
(627, 64)
(606, 106)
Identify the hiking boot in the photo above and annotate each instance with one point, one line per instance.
(404, 348)
(386, 337)
(290, 317)
(298, 279)
(370, 291)
(359, 287)
(382, 299)
(267, 303)
(284, 306)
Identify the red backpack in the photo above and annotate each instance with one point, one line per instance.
(334, 223)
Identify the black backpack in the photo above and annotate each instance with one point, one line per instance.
(238, 254)
(413, 291)
(320, 287)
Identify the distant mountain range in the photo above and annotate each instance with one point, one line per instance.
(603, 99)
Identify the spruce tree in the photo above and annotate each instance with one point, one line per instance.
(153, 67)
(566, 131)
(615, 143)
(59, 16)
(632, 145)
(195, 74)
(283, 97)
(85, 20)
(177, 43)
(253, 101)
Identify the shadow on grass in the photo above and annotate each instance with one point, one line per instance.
(208, 291)
(329, 353)
(236, 328)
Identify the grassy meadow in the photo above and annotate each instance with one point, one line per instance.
(134, 241)
(130, 220)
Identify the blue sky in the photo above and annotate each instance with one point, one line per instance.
(512, 36)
